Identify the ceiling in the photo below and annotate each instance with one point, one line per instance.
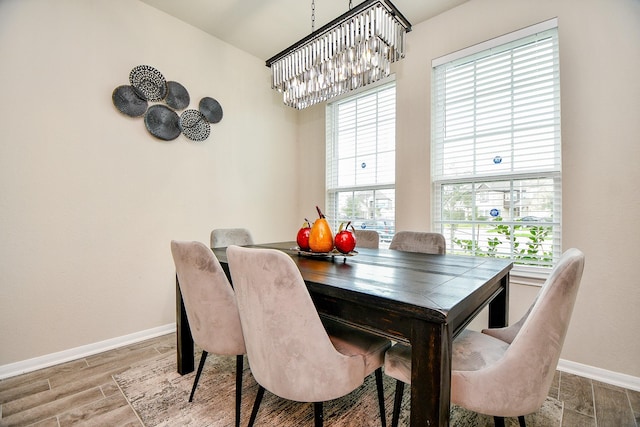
(265, 27)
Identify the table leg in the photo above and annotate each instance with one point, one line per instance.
(499, 307)
(430, 374)
(184, 346)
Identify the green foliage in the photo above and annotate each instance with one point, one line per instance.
(526, 240)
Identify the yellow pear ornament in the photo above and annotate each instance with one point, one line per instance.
(321, 238)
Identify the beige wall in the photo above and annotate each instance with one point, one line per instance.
(599, 63)
(89, 200)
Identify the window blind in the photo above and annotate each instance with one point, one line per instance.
(361, 160)
(496, 161)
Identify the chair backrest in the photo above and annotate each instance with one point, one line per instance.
(223, 237)
(367, 239)
(526, 370)
(209, 299)
(418, 241)
(539, 342)
(289, 351)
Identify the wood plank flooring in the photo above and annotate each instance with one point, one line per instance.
(83, 392)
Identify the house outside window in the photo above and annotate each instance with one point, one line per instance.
(361, 161)
(496, 166)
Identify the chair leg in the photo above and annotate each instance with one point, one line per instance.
(521, 421)
(203, 358)
(239, 372)
(397, 402)
(498, 421)
(256, 406)
(380, 386)
(318, 415)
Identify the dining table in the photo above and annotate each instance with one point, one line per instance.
(423, 300)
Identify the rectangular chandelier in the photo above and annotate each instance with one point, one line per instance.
(352, 51)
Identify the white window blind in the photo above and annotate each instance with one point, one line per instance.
(496, 166)
(361, 161)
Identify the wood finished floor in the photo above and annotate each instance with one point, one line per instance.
(83, 392)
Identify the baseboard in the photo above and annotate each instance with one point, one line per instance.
(598, 374)
(36, 363)
(13, 369)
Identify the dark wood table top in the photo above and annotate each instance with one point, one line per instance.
(435, 288)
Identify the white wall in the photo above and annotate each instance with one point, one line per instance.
(89, 200)
(600, 95)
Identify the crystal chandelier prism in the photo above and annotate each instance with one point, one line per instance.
(352, 51)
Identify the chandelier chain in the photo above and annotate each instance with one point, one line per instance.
(313, 15)
(350, 4)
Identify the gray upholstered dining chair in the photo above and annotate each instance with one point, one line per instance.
(223, 237)
(418, 241)
(290, 352)
(367, 239)
(211, 308)
(501, 379)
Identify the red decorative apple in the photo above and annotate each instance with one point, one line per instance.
(345, 240)
(303, 236)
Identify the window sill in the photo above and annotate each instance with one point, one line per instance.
(529, 276)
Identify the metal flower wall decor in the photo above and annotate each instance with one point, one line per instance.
(161, 119)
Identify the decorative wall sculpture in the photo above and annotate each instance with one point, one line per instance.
(162, 120)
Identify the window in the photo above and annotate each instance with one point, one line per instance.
(496, 169)
(361, 161)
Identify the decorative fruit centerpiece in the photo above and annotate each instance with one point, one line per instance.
(320, 237)
(345, 240)
(303, 236)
